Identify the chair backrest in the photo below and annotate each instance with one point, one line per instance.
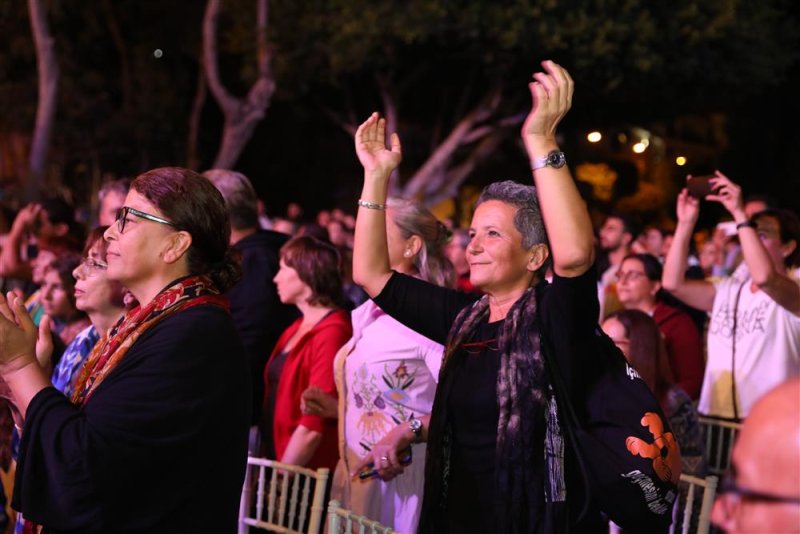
(283, 499)
(708, 486)
(720, 436)
(341, 521)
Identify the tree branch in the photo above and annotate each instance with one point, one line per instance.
(390, 114)
(445, 151)
(47, 69)
(226, 101)
(192, 159)
(241, 115)
(125, 65)
(447, 187)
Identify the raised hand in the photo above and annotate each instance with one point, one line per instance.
(688, 207)
(728, 194)
(371, 148)
(551, 92)
(44, 343)
(25, 219)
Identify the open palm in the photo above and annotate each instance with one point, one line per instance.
(371, 146)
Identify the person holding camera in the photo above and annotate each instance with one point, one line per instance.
(754, 329)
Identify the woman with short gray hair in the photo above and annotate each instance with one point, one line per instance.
(493, 463)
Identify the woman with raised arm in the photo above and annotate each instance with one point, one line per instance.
(491, 465)
(386, 376)
(156, 430)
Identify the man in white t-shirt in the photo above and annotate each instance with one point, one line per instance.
(754, 328)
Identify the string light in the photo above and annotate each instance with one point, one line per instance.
(594, 137)
(680, 161)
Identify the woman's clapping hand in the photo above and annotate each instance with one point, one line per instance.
(18, 334)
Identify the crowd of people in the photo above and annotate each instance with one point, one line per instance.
(142, 361)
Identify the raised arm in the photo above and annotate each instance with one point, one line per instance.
(370, 252)
(696, 293)
(769, 277)
(566, 219)
(11, 263)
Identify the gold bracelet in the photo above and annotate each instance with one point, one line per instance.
(371, 205)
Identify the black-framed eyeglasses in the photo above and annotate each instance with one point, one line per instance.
(122, 218)
(728, 486)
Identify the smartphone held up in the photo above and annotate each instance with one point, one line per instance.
(700, 186)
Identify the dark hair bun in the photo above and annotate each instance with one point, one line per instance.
(226, 273)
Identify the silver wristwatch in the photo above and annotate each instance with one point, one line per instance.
(415, 425)
(554, 158)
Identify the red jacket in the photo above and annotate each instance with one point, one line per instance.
(310, 362)
(684, 347)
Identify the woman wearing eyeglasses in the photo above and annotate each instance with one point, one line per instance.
(97, 296)
(102, 300)
(155, 436)
(639, 288)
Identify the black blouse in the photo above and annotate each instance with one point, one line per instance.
(568, 311)
(161, 446)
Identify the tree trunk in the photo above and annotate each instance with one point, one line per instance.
(390, 114)
(442, 173)
(47, 69)
(431, 176)
(192, 158)
(241, 115)
(126, 83)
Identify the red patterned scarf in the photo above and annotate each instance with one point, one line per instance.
(106, 355)
(183, 294)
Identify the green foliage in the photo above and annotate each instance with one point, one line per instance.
(438, 58)
(629, 50)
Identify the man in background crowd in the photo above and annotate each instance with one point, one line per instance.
(257, 312)
(762, 493)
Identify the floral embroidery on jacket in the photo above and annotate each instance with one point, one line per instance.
(383, 405)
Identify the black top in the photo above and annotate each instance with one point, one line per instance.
(274, 370)
(257, 311)
(472, 404)
(568, 311)
(161, 445)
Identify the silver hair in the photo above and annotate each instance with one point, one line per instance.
(240, 196)
(121, 186)
(528, 219)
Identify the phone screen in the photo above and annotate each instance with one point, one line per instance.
(700, 186)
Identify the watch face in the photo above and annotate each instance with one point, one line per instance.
(556, 159)
(415, 425)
